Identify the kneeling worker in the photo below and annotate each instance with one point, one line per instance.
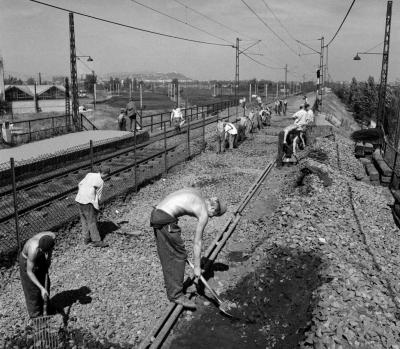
(170, 246)
(34, 262)
(88, 197)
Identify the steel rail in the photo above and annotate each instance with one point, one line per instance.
(51, 180)
(158, 333)
(155, 138)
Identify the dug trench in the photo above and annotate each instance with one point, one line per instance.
(274, 306)
(274, 296)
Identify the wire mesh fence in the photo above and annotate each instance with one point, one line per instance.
(40, 195)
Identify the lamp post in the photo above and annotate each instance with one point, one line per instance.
(358, 58)
(90, 59)
(380, 122)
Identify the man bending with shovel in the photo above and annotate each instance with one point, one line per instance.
(170, 246)
(34, 262)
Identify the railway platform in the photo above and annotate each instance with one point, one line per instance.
(56, 144)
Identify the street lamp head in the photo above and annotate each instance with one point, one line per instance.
(357, 57)
(90, 59)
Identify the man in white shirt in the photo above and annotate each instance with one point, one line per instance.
(310, 114)
(88, 197)
(299, 123)
(177, 119)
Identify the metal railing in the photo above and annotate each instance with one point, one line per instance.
(46, 200)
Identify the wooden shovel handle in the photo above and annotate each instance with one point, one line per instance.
(46, 299)
(204, 281)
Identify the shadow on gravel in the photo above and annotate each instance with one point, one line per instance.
(106, 227)
(67, 298)
(275, 304)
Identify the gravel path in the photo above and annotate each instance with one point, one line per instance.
(125, 280)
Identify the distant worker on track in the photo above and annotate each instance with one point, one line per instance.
(122, 120)
(88, 198)
(34, 263)
(177, 119)
(131, 112)
(170, 246)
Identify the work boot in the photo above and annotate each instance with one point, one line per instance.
(100, 244)
(185, 302)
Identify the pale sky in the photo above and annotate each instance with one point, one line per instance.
(35, 38)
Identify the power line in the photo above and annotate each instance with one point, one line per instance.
(212, 20)
(276, 17)
(179, 20)
(341, 24)
(131, 27)
(370, 49)
(264, 65)
(255, 13)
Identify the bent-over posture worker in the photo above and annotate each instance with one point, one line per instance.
(88, 197)
(34, 263)
(170, 246)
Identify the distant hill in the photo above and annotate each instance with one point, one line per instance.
(146, 76)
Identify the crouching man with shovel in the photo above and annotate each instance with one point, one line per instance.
(170, 246)
(34, 262)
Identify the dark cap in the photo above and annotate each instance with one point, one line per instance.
(46, 243)
(221, 208)
(104, 169)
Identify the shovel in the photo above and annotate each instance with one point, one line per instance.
(46, 330)
(223, 306)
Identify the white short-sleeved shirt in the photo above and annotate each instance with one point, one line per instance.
(176, 113)
(90, 190)
(230, 128)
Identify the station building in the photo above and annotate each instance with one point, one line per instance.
(30, 98)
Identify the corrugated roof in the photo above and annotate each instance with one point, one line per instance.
(30, 89)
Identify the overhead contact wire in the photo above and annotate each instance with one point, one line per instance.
(341, 24)
(130, 26)
(266, 24)
(179, 20)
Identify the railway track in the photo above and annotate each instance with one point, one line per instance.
(160, 331)
(46, 201)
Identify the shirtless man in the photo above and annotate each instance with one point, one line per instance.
(34, 262)
(170, 246)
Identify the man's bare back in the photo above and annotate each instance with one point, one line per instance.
(187, 201)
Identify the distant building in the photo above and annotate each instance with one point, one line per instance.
(48, 98)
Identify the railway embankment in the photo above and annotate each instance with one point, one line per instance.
(312, 263)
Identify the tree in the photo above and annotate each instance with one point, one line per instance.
(30, 81)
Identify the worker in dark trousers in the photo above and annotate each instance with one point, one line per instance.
(170, 246)
(34, 263)
(88, 197)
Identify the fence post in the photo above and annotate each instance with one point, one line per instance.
(188, 138)
(204, 132)
(151, 120)
(165, 151)
(161, 122)
(30, 134)
(229, 108)
(134, 155)
(52, 126)
(14, 185)
(91, 155)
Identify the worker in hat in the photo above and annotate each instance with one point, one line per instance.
(122, 120)
(170, 246)
(88, 198)
(34, 263)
